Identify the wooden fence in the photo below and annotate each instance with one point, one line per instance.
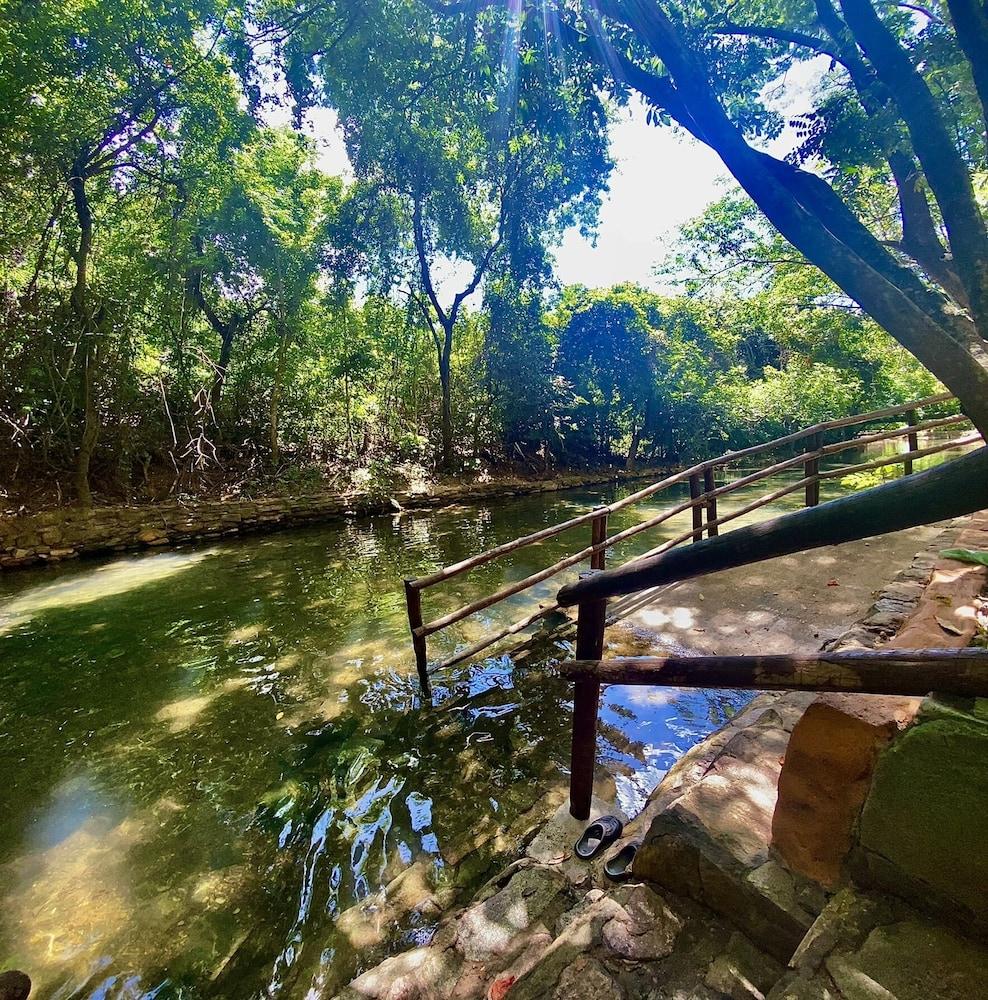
(706, 520)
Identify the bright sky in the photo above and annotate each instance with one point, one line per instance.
(662, 178)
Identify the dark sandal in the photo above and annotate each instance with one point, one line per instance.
(618, 867)
(601, 833)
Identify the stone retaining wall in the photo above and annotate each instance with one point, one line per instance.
(52, 536)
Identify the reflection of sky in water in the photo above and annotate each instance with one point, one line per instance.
(656, 725)
(209, 755)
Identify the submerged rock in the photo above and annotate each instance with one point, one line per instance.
(14, 985)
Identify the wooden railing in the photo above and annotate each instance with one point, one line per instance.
(950, 490)
(912, 672)
(703, 502)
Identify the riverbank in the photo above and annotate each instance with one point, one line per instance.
(67, 533)
(815, 847)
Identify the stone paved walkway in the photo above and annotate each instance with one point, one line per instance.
(793, 604)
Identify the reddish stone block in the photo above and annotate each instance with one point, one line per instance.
(826, 777)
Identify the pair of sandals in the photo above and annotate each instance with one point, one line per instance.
(597, 837)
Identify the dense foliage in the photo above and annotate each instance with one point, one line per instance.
(188, 298)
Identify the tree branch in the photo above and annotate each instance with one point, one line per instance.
(800, 38)
(424, 272)
(424, 309)
(971, 26)
(948, 175)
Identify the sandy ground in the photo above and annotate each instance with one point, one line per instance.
(787, 605)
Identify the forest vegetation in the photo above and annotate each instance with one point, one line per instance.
(189, 301)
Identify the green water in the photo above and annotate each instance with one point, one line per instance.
(209, 754)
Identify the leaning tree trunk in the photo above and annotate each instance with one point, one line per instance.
(810, 214)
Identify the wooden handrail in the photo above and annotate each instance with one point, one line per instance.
(906, 456)
(727, 458)
(910, 672)
(448, 572)
(702, 500)
(907, 431)
(948, 490)
(518, 626)
(864, 671)
(697, 502)
(489, 640)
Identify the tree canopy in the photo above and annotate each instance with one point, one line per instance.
(190, 298)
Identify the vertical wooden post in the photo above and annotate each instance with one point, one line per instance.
(413, 601)
(598, 532)
(696, 490)
(586, 697)
(709, 485)
(812, 468)
(913, 440)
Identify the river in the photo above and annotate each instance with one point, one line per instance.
(208, 754)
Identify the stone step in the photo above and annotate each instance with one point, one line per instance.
(708, 828)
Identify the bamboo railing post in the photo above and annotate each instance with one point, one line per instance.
(598, 532)
(696, 490)
(586, 697)
(709, 485)
(811, 469)
(413, 601)
(913, 439)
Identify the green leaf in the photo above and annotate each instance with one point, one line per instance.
(966, 555)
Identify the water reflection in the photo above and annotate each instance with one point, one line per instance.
(107, 580)
(213, 757)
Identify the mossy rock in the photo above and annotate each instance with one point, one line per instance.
(922, 829)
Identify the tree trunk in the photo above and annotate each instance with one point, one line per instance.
(83, 313)
(227, 335)
(971, 23)
(279, 374)
(808, 213)
(445, 381)
(90, 422)
(633, 447)
(948, 175)
(228, 331)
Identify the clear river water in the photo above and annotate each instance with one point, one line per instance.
(208, 754)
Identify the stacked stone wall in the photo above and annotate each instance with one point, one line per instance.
(66, 533)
